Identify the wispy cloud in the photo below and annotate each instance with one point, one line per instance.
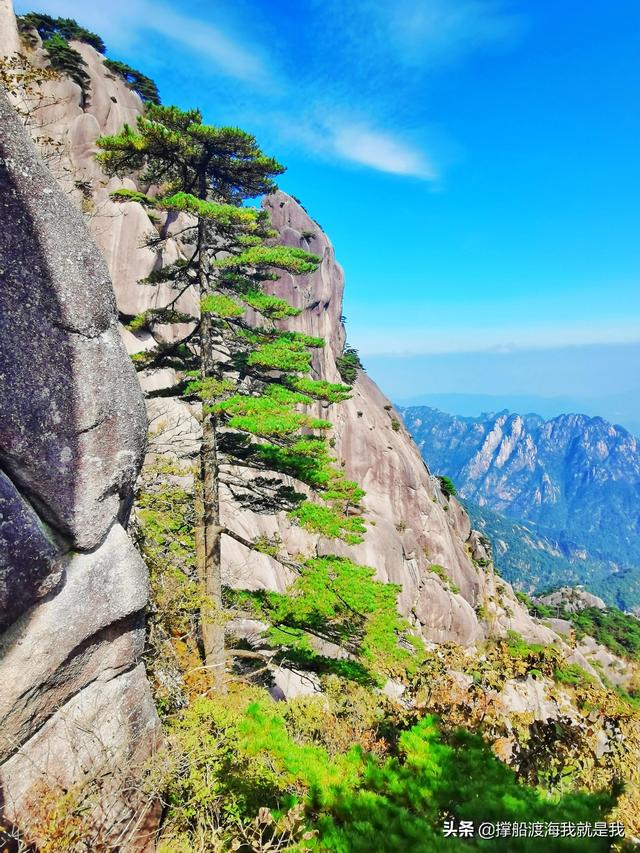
(356, 142)
(419, 32)
(200, 37)
(381, 151)
(124, 23)
(344, 88)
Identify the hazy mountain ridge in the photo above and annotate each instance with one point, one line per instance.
(572, 483)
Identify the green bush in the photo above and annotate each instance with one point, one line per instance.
(573, 674)
(67, 28)
(616, 630)
(135, 80)
(349, 364)
(448, 489)
(244, 759)
(67, 60)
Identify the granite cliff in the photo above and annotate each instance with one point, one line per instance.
(72, 434)
(414, 525)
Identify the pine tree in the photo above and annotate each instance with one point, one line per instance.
(251, 378)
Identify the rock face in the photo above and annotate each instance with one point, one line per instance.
(9, 40)
(72, 435)
(572, 599)
(411, 526)
(71, 444)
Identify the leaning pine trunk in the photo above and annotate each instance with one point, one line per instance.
(208, 530)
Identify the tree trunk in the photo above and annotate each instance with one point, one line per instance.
(208, 529)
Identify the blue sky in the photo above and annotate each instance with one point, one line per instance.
(474, 162)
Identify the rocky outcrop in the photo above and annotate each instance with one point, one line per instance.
(411, 525)
(72, 435)
(571, 599)
(9, 40)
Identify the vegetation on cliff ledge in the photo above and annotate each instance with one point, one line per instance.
(56, 33)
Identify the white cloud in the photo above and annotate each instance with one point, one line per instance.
(375, 44)
(208, 41)
(419, 32)
(122, 23)
(357, 142)
(380, 151)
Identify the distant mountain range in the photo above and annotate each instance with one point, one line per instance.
(559, 498)
(622, 408)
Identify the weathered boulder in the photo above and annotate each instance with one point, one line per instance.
(573, 599)
(72, 421)
(75, 705)
(30, 564)
(92, 629)
(100, 738)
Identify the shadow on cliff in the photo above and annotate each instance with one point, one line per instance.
(37, 368)
(72, 421)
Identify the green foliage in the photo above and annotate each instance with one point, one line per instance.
(573, 674)
(246, 220)
(264, 545)
(176, 151)
(157, 316)
(448, 489)
(285, 258)
(329, 522)
(269, 306)
(270, 414)
(616, 630)
(66, 28)
(320, 389)
(165, 517)
(282, 353)
(135, 80)
(337, 600)
(66, 60)
(518, 646)
(220, 305)
(395, 424)
(444, 577)
(132, 195)
(355, 800)
(349, 364)
(209, 389)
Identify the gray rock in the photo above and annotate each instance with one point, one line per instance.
(572, 599)
(103, 736)
(90, 628)
(560, 626)
(72, 422)
(30, 563)
(9, 39)
(75, 705)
